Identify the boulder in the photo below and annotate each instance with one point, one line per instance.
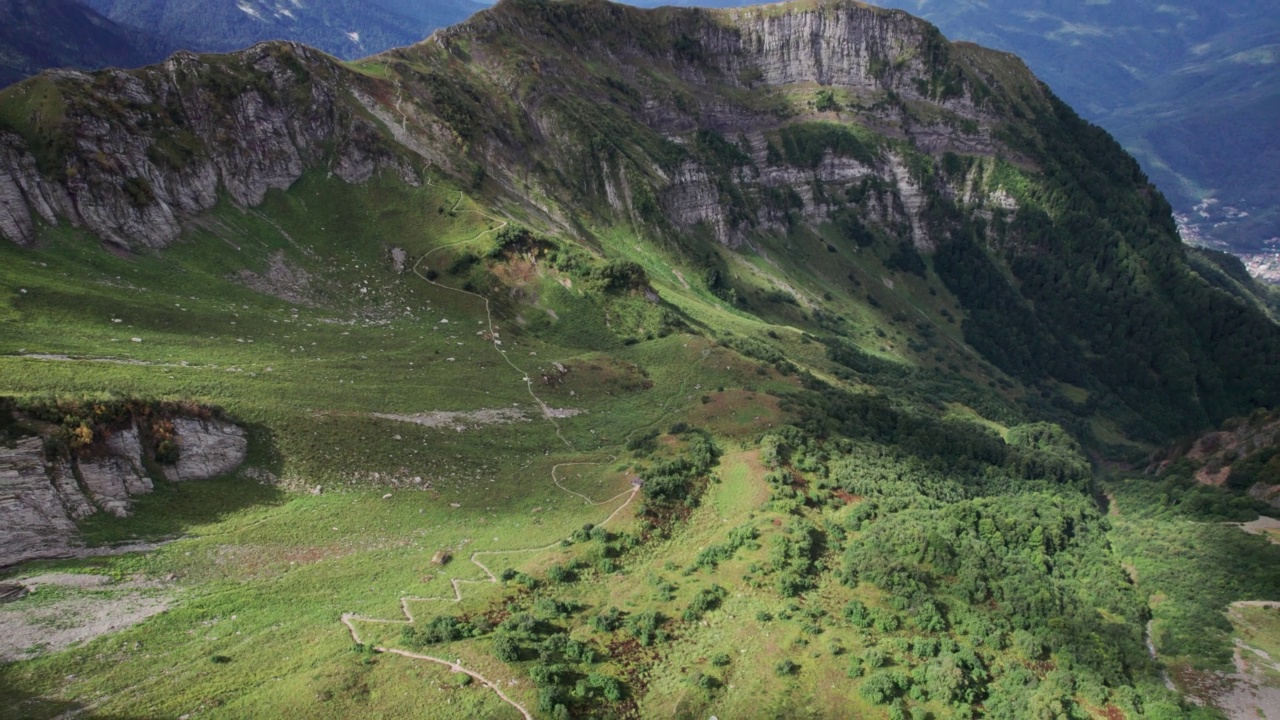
(206, 449)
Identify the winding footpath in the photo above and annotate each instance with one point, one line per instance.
(350, 619)
(493, 335)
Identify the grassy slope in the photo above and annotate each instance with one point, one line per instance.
(263, 574)
(303, 378)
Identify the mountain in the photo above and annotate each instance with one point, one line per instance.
(1189, 87)
(987, 168)
(63, 33)
(348, 29)
(588, 355)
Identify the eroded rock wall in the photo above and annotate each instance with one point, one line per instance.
(152, 147)
(40, 499)
(34, 522)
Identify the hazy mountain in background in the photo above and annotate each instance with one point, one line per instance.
(38, 34)
(348, 29)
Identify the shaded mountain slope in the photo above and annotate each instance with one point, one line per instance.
(63, 33)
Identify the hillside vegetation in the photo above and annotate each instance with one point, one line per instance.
(601, 362)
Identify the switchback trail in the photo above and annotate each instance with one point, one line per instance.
(349, 619)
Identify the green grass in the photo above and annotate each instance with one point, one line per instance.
(303, 378)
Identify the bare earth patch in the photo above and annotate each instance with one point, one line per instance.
(32, 627)
(475, 418)
(281, 280)
(1267, 526)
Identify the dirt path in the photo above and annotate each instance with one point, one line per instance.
(1262, 526)
(349, 619)
(488, 311)
(453, 666)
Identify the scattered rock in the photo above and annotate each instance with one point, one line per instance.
(262, 475)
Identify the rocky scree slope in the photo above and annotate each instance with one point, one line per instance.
(856, 124)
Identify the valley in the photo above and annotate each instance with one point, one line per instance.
(599, 362)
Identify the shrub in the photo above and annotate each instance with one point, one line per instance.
(506, 649)
(646, 627)
(607, 620)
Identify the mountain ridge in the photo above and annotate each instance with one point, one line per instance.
(742, 122)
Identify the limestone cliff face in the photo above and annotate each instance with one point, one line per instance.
(206, 448)
(40, 499)
(137, 152)
(36, 524)
(745, 74)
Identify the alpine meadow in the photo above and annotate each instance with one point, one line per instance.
(589, 361)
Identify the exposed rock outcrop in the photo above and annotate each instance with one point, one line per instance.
(40, 499)
(206, 448)
(135, 154)
(35, 523)
(1216, 457)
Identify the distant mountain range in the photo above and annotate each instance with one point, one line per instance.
(348, 29)
(38, 34)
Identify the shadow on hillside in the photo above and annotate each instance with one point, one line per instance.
(175, 507)
(22, 705)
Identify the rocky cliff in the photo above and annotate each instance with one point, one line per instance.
(40, 498)
(628, 132)
(129, 154)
